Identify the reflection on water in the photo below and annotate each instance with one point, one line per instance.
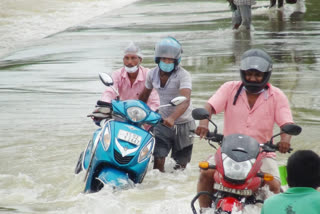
(241, 43)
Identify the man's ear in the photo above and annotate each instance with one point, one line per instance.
(140, 59)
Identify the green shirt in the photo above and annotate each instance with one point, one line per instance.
(296, 200)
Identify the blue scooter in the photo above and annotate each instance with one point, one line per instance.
(121, 149)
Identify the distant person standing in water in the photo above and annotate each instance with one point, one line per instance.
(171, 80)
(241, 13)
(273, 3)
(303, 169)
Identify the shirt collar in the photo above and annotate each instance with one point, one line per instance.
(139, 77)
(297, 190)
(157, 75)
(266, 92)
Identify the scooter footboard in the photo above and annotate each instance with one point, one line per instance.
(114, 177)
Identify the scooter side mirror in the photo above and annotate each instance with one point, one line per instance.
(178, 100)
(106, 79)
(291, 129)
(200, 114)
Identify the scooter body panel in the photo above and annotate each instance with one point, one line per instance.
(120, 156)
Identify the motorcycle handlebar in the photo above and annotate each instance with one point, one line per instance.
(212, 136)
(268, 147)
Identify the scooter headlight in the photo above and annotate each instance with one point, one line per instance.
(136, 114)
(236, 170)
(106, 138)
(146, 151)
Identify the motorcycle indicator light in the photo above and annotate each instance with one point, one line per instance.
(146, 151)
(268, 177)
(106, 138)
(136, 114)
(204, 165)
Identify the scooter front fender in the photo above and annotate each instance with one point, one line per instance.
(114, 177)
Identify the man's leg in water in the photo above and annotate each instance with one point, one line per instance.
(182, 157)
(162, 147)
(183, 144)
(236, 19)
(245, 12)
(205, 183)
(159, 163)
(272, 3)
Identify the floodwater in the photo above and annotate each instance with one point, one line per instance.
(49, 84)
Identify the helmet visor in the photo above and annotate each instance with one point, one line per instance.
(168, 48)
(167, 52)
(256, 63)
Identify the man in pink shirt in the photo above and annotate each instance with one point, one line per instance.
(130, 79)
(251, 107)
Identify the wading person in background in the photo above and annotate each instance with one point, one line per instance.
(251, 107)
(241, 13)
(171, 80)
(130, 79)
(273, 3)
(303, 169)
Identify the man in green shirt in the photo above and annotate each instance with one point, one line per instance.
(303, 170)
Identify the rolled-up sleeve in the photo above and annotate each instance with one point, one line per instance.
(220, 98)
(283, 113)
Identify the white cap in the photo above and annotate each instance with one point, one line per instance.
(133, 49)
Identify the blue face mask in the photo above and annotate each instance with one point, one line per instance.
(166, 67)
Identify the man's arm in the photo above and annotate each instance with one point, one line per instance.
(153, 101)
(180, 109)
(284, 144)
(203, 126)
(144, 96)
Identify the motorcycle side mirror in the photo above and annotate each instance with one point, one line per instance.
(200, 114)
(291, 129)
(178, 100)
(174, 102)
(106, 79)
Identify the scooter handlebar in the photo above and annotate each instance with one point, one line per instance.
(103, 103)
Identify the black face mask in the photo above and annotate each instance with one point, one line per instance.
(253, 89)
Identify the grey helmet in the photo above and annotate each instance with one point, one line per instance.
(258, 60)
(168, 47)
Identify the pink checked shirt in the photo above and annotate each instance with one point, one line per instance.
(128, 91)
(271, 107)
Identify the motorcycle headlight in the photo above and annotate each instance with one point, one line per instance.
(146, 151)
(106, 138)
(236, 170)
(136, 114)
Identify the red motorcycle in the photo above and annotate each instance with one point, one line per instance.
(237, 167)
